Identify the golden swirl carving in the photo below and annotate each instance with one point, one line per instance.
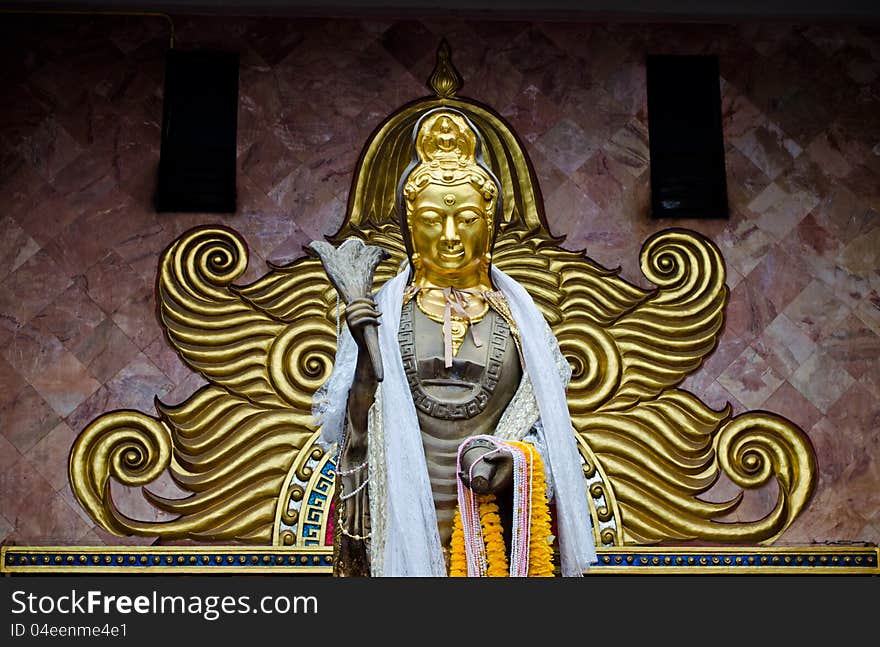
(758, 446)
(670, 333)
(287, 538)
(301, 358)
(596, 366)
(304, 472)
(126, 445)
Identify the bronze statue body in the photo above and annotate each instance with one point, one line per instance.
(457, 339)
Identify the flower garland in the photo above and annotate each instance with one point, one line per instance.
(479, 547)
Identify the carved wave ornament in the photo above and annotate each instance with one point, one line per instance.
(244, 445)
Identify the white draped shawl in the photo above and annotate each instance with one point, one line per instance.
(405, 540)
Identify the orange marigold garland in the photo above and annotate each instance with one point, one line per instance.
(479, 547)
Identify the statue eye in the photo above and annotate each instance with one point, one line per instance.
(468, 217)
(429, 218)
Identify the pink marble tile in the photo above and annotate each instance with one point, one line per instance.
(67, 494)
(768, 148)
(105, 350)
(50, 455)
(629, 147)
(744, 179)
(584, 218)
(131, 502)
(56, 523)
(825, 151)
(816, 310)
(142, 248)
(566, 145)
(743, 245)
(49, 148)
(859, 260)
(30, 288)
(22, 186)
(739, 116)
(26, 419)
(15, 246)
(265, 162)
(822, 380)
(49, 215)
(20, 487)
(22, 112)
(833, 452)
(86, 239)
(408, 41)
(604, 180)
(291, 248)
(750, 379)
(71, 316)
(134, 387)
(828, 515)
(167, 360)
(86, 179)
(788, 402)
(111, 282)
(263, 224)
(8, 453)
(717, 397)
(784, 346)
(531, 114)
(854, 346)
(868, 312)
(858, 411)
(6, 527)
(137, 318)
(55, 373)
(749, 311)
(779, 211)
(182, 392)
(549, 178)
(773, 279)
(845, 215)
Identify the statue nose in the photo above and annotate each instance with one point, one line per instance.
(450, 231)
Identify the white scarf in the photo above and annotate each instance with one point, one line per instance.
(405, 539)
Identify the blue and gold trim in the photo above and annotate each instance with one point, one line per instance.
(165, 559)
(738, 560)
(319, 560)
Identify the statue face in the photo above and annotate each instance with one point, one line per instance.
(450, 234)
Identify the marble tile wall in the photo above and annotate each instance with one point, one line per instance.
(80, 116)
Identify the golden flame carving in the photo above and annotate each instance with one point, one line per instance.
(651, 449)
(231, 444)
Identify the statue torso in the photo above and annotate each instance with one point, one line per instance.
(456, 403)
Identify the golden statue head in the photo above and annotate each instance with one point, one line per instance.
(449, 201)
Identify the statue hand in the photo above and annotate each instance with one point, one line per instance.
(362, 317)
(486, 470)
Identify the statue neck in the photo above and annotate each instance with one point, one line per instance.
(433, 299)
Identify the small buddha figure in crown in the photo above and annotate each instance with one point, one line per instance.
(470, 372)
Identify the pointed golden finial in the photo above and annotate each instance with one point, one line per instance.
(445, 80)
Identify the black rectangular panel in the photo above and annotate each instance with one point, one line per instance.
(688, 177)
(199, 129)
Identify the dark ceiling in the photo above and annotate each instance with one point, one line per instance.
(632, 9)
